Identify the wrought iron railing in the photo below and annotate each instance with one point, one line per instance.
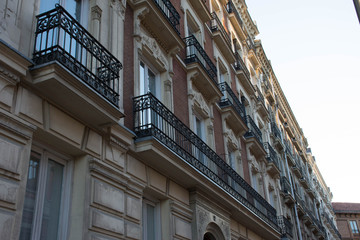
(230, 8)
(254, 130)
(153, 119)
(240, 65)
(216, 25)
(314, 220)
(170, 13)
(286, 226)
(250, 44)
(326, 216)
(229, 98)
(275, 130)
(260, 96)
(59, 37)
(272, 156)
(285, 185)
(289, 151)
(196, 53)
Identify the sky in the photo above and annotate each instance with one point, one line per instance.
(314, 49)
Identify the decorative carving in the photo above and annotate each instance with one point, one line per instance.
(154, 49)
(200, 102)
(9, 76)
(96, 13)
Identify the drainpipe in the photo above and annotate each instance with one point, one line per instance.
(292, 192)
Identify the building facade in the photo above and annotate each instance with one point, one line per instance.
(149, 119)
(348, 219)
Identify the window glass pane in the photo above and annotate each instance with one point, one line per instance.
(30, 197)
(150, 222)
(151, 82)
(354, 227)
(143, 90)
(52, 201)
(74, 8)
(46, 5)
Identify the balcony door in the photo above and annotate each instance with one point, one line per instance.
(149, 82)
(74, 7)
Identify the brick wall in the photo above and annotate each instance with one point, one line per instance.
(128, 89)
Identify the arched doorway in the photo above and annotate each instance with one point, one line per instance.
(213, 232)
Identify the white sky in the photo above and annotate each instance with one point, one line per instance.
(314, 48)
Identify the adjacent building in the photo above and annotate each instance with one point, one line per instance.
(149, 119)
(348, 219)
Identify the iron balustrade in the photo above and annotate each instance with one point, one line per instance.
(230, 98)
(331, 224)
(271, 156)
(153, 119)
(314, 220)
(285, 185)
(260, 96)
(266, 82)
(240, 65)
(251, 44)
(59, 37)
(215, 25)
(254, 131)
(288, 149)
(230, 8)
(170, 13)
(286, 226)
(196, 53)
(275, 130)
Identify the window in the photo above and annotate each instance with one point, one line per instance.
(149, 80)
(255, 182)
(151, 220)
(199, 129)
(45, 197)
(354, 227)
(72, 6)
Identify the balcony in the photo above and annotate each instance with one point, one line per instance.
(286, 227)
(289, 130)
(221, 38)
(254, 138)
(302, 154)
(286, 189)
(166, 143)
(276, 134)
(297, 168)
(296, 143)
(161, 17)
(273, 166)
(233, 109)
(244, 75)
(289, 154)
(260, 104)
(199, 6)
(311, 193)
(198, 63)
(269, 95)
(331, 225)
(304, 180)
(73, 70)
(235, 19)
(300, 204)
(252, 52)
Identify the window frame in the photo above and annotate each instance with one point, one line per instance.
(46, 155)
(157, 217)
(147, 67)
(354, 227)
